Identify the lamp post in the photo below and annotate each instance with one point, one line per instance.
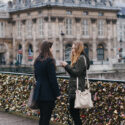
(120, 51)
(62, 45)
(120, 43)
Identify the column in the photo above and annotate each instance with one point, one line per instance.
(61, 37)
(23, 42)
(14, 41)
(78, 28)
(49, 28)
(54, 35)
(34, 40)
(115, 37)
(94, 36)
(109, 34)
(7, 53)
(45, 27)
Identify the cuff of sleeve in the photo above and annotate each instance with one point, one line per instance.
(66, 67)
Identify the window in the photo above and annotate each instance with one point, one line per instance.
(18, 29)
(121, 31)
(2, 55)
(100, 52)
(101, 14)
(19, 1)
(28, 13)
(2, 29)
(40, 11)
(69, 26)
(68, 52)
(2, 59)
(69, 12)
(19, 55)
(30, 53)
(40, 26)
(85, 28)
(86, 49)
(85, 13)
(20, 47)
(101, 27)
(29, 28)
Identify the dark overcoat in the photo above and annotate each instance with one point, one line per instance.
(47, 88)
(77, 70)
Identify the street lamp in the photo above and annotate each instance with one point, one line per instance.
(120, 42)
(120, 51)
(62, 45)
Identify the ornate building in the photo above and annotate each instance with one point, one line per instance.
(5, 35)
(121, 33)
(30, 22)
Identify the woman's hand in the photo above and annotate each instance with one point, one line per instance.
(63, 63)
(58, 97)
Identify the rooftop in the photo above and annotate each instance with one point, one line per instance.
(3, 11)
(3, 6)
(94, 4)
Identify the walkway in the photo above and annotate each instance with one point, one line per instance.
(9, 119)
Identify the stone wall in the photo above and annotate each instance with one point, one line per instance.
(115, 71)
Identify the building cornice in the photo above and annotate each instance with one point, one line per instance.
(71, 6)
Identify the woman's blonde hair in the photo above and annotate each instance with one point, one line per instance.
(78, 50)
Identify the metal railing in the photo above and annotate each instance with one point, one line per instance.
(67, 77)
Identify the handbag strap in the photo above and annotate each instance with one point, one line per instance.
(87, 82)
(77, 83)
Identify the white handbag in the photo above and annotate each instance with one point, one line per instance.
(83, 99)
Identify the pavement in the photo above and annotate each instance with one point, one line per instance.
(9, 119)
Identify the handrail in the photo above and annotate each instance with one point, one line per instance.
(67, 77)
(96, 79)
(15, 73)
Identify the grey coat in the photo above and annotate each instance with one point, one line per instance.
(77, 70)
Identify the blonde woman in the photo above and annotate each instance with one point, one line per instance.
(76, 69)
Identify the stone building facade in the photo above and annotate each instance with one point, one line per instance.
(6, 43)
(121, 33)
(63, 22)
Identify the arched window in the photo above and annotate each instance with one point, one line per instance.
(2, 54)
(19, 47)
(86, 49)
(68, 52)
(19, 55)
(30, 52)
(100, 52)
